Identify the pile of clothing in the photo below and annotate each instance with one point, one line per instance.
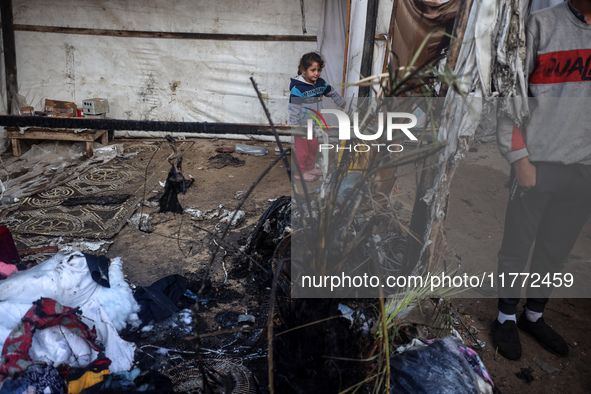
(65, 312)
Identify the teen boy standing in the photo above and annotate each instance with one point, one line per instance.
(550, 197)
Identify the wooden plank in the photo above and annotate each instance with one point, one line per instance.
(158, 34)
(89, 148)
(346, 47)
(46, 134)
(87, 136)
(43, 249)
(9, 55)
(16, 146)
(460, 24)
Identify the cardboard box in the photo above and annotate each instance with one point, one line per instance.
(95, 106)
(63, 107)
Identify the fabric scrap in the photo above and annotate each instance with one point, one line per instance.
(67, 279)
(43, 377)
(44, 313)
(6, 269)
(224, 159)
(159, 300)
(439, 367)
(115, 199)
(428, 21)
(14, 386)
(78, 379)
(151, 381)
(89, 379)
(99, 268)
(8, 252)
(175, 184)
(477, 365)
(58, 345)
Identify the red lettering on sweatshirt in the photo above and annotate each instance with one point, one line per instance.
(563, 66)
(517, 141)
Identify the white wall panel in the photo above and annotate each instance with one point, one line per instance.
(195, 16)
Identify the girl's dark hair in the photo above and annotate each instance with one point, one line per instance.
(308, 59)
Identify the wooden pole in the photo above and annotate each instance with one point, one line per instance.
(161, 34)
(390, 37)
(459, 29)
(389, 40)
(346, 47)
(455, 45)
(9, 55)
(368, 44)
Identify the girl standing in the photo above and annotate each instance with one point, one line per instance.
(306, 93)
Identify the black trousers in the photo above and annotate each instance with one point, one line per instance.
(552, 214)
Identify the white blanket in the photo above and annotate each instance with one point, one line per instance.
(66, 279)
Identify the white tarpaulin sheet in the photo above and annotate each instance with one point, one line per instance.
(332, 33)
(161, 78)
(356, 37)
(355, 52)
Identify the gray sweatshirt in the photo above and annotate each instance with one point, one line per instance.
(304, 95)
(558, 62)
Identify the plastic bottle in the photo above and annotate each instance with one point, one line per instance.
(251, 150)
(8, 200)
(347, 185)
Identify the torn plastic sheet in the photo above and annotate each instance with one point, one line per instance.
(508, 69)
(502, 24)
(50, 164)
(66, 279)
(83, 245)
(233, 216)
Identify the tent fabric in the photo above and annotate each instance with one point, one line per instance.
(191, 80)
(421, 17)
(355, 50)
(166, 79)
(331, 36)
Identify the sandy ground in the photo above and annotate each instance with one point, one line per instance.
(474, 229)
(475, 222)
(181, 245)
(476, 216)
